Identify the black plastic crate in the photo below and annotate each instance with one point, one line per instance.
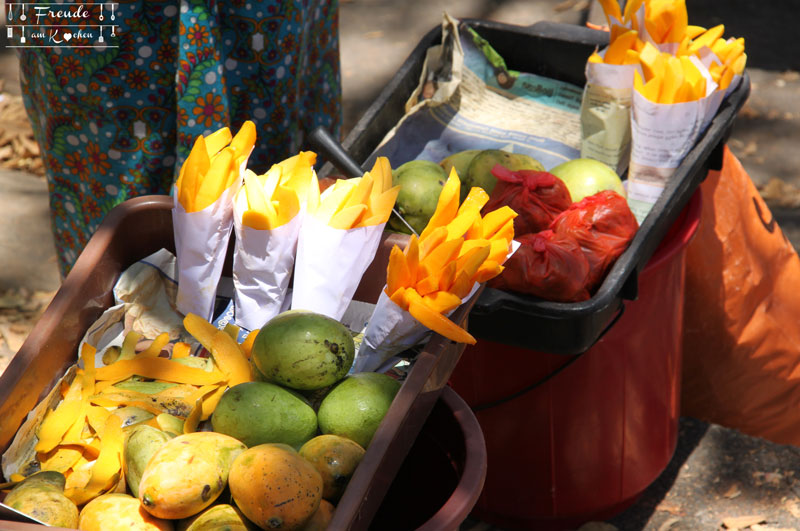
(558, 51)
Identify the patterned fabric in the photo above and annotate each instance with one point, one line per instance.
(114, 123)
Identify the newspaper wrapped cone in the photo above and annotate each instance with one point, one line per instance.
(262, 267)
(330, 263)
(662, 134)
(605, 114)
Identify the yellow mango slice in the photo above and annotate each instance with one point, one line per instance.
(156, 346)
(217, 140)
(289, 204)
(436, 321)
(260, 214)
(595, 58)
(470, 261)
(107, 468)
(193, 420)
(447, 276)
(361, 192)
(399, 297)
(673, 79)
(611, 9)
(487, 271)
(440, 256)
(707, 38)
(397, 273)
(159, 369)
(58, 421)
(180, 350)
(380, 207)
(245, 138)
(247, 344)
(382, 174)
(334, 198)
(615, 54)
(442, 301)
(215, 180)
(348, 217)
(429, 284)
(496, 219)
(411, 253)
(230, 358)
(694, 31)
(446, 206)
(506, 232)
(434, 239)
(200, 329)
(649, 57)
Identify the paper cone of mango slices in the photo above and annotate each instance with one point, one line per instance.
(338, 240)
(679, 75)
(268, 213)
(202, 215)
(458, 250)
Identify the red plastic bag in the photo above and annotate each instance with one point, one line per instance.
(603, 226)
(548, 265)
(536, 196)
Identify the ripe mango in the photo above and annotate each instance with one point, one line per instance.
(217, 517)
(460, 161)
(275, 488)
(41, 496)
(336, 459)
(119, 512)
(303, 350)
(262, 412)
(187, 474)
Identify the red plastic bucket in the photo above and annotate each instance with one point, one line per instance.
(586, 443)
(442, 475)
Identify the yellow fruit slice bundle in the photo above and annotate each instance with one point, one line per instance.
(83, 436)
(275, 198)
(457, 248)
(213, 166)
(729, 52)
(361, 201)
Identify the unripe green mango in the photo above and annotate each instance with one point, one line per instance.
(140, 445)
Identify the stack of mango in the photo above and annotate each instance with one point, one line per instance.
(664, 48)
(457, 249)
(124, 446)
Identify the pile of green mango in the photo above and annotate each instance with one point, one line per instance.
(421, 182)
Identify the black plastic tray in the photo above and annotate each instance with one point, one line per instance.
(557, 51)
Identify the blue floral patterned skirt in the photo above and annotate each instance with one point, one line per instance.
(116, 116)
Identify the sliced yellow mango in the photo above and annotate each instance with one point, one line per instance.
(245, 138)
(230, 358)
(496, 219)
(159, 369)
(435, 320)
(397, 273)
(442, 301)
(380, 207)
(412, 257)
(446, 206)
(707, 38)
(615, 54)
(348, 217)
(217, 140)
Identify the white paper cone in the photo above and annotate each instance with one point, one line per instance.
(262, 266)
(329, 265)
(391, 330)
(201, 241)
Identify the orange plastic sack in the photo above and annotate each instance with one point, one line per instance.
(742, 313)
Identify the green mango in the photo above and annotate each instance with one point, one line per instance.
(479, 172)
(460, 161)
(261, 412)
(420, 182)
(140, 445)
